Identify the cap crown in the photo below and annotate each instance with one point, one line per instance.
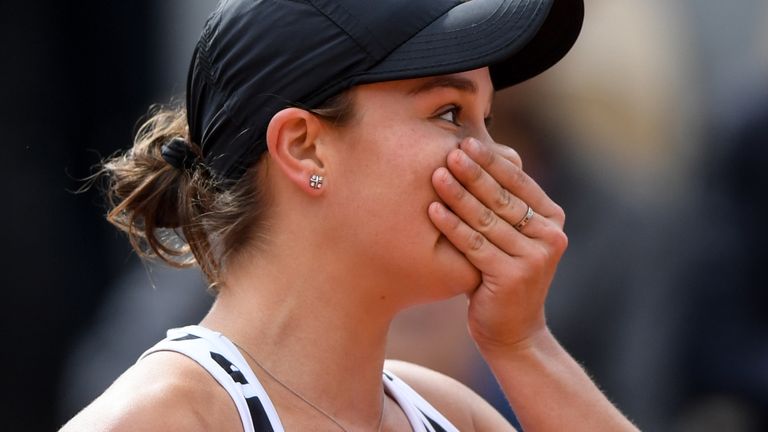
(256, 57)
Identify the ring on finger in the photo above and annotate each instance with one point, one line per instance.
(524, 221)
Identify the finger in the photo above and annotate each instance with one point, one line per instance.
(507, 153)
(480, 218)
(480, 252)
(480, 184)
(514, 179)
(496, 198)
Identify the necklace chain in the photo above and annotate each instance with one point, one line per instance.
(305, 400)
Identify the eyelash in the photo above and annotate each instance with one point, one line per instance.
(455, 110)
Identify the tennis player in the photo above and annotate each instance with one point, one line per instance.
(331, 167)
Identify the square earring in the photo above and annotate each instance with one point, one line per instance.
(316, 181)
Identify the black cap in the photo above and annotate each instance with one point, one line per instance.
(256, 57)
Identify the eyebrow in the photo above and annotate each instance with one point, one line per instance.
(454, 82)
(449, 81)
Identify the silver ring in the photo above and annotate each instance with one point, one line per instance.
(524, 221)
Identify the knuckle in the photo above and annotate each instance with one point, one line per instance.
(519, 177)
(516, 177)
(475, 241)
(475, 172)
(556, 241)
(487, 219)
(541, 256)
(454, 223)
(503, 199)
(558, 214)
(459, 192)
(559, 242)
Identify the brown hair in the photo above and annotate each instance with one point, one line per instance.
(186, 217)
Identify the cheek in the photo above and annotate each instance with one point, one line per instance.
(385, 180)
(381, 207)
(409, 155)
(400, 171)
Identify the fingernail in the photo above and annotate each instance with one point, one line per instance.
(438, 208)
(473, 144)
(462, 157)
(442, 174)
(446, 175)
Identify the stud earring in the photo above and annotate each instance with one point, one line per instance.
(316, 181)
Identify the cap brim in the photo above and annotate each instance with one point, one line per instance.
(518, 39)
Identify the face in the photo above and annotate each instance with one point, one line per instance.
(379, 170)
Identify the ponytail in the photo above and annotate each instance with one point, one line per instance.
(161, 194)
(167, 202)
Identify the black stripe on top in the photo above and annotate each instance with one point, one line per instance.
(230, 368)
(186, 337)
(259, 416)
(434, 424)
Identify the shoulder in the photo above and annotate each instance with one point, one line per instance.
(457, 402)
(165, 391)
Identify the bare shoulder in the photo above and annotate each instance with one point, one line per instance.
(457, 402)
(166, 391)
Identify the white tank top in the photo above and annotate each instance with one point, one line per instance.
(219, 356)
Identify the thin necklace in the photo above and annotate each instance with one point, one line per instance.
(306, 401)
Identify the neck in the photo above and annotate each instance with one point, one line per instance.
(321, 334)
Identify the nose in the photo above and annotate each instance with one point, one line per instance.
(484, 136)
(502, 150)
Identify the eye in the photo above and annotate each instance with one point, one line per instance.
(451, 114)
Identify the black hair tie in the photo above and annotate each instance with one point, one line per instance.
(178, 154)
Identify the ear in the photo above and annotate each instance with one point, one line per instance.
(292, 140)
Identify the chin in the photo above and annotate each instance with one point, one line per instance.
(463, 283)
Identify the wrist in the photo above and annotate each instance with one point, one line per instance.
(538, 343)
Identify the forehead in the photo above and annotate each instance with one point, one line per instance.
(475, 83)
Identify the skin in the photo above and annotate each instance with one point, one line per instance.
(418, 205)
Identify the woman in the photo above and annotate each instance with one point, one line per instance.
(332, 168)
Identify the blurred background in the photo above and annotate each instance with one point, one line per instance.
(650, 134)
